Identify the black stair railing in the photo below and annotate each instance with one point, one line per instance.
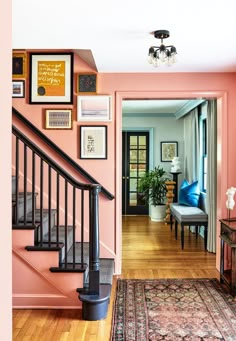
(60, 152)
(54, 203)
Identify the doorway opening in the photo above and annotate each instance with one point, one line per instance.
(221, 140)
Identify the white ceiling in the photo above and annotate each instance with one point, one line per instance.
(164, 107)
(118, 31)
(159, 108)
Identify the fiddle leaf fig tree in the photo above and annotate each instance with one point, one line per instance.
(152, 186)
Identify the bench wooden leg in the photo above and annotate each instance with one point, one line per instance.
(171, 221)
(182, 236)
(205, 236)
(176, 229)
(196, 231)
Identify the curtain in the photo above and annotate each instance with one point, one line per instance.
(191, 146)
(211, 173)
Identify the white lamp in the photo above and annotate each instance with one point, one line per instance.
(230, 200)
(175, 165)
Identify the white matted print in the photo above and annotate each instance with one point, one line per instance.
(18, 88)
(93, 142)
(94, 108)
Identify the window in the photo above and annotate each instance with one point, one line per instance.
(203, 152)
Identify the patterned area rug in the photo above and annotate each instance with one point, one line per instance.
(173, 309)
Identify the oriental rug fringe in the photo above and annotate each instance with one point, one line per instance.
(173, 309)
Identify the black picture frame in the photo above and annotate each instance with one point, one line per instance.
(51, 78)
(169, 149)
(18, 88)
(93, 142)
(87, 83)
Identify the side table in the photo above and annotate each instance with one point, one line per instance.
(228, 237)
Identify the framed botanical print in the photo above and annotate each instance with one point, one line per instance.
(169, 149)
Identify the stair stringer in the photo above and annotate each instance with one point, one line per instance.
(34, 285)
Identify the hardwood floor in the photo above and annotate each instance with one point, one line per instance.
(149, 251)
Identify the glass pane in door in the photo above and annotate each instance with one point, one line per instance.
(133, 142)
(133, 170)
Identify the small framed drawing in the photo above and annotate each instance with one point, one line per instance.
(87, 83)
(169, 149)
(18, 89)
(19, 65)
(93, 142)
(94, 108)
(51, 78)
(58, 119)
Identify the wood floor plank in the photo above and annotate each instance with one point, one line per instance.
(149, 251)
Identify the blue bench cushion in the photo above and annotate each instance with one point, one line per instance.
(188, 213)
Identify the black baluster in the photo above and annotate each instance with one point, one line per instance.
(66, 222)
(82, 227)
(74, 206)
(41, 202)
(33, 196)
(17, 182)
(49, 205)
(25, 183)
(58, 207)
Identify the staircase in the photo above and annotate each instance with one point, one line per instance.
(55, 221)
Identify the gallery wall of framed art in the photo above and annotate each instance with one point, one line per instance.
(66, 98)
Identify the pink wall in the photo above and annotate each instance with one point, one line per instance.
(108, 172)
(68, 141)
(220, 86)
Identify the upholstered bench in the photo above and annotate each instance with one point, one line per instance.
(190, 216)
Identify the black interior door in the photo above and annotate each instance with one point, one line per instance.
(135, 162)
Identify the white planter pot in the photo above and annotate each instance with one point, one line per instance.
(158, 213)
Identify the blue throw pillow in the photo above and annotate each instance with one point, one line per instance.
(189, 194)
(184, 183)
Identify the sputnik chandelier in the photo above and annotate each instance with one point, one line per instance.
(162, 54)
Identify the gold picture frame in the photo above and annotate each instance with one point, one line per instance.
(87, 83)
(19, 63)
(58, 119)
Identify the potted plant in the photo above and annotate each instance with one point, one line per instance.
(153, 188)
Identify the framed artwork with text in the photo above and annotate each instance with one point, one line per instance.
(51, 78)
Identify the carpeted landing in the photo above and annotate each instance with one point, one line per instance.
(173, 309)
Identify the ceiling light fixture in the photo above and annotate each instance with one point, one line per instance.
(162, 54)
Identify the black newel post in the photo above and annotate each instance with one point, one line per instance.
(94, 241)
(96, 297)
